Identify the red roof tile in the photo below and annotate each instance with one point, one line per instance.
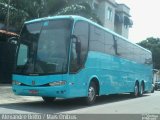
(8, 33)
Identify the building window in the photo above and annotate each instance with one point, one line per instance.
(95, 4)
(109, 14)
(127, 22)
(125, 26)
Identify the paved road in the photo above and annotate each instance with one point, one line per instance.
(113, 104)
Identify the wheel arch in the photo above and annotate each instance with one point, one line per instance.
(137, 82)
(96, 81)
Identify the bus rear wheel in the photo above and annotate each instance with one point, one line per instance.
(136, 90)
(153, 88)
(92, 92)
(48, 99)
(141, 90)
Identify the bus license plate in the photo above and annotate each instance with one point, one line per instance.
(33, 91)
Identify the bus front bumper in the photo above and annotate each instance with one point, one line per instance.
(49, 91)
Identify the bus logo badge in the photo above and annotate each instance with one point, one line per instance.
(33, 82)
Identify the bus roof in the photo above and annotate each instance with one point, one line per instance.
(75, 17)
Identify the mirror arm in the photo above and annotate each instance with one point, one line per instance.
(13, 40)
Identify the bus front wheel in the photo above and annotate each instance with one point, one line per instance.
(135, 93)
(136, 90)
(92, 91)
(49, 99)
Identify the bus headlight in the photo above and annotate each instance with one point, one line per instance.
(57, 83)
(16, 82)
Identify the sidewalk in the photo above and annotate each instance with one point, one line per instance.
(5, 93)
(5, 85)
(7, 96)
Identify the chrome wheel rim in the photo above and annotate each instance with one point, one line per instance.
(136, 90)
(141, 89)
(91, 93)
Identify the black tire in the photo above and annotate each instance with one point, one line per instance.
(156, 88)
(92, 92)
(152, 90)
(49, 99)
(136, 90)
(141, 90)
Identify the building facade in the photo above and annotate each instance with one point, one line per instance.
(112, 15)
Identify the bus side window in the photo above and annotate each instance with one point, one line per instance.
(81, 32)
(109, 44)
(97, 39)
(124, 49)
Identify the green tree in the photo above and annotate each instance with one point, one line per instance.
(153, 44)
(82, 9)
(16, 15)
(23, 10)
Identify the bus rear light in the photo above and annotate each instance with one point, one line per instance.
(57, 83)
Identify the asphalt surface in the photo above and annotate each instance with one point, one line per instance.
(112, 104)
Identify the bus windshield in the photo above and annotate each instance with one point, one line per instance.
(44, 47)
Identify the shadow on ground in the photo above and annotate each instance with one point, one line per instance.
(62, 105)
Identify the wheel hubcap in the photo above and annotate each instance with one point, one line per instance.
(136, 90)
(142, 89)
(91, 93)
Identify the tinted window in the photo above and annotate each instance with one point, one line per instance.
(139, 55)
(22, 56)
(97, 39)
(148, 58)
(53, 46)
(81, 32)
(124, 49)
(109, 44)
(103, 41)
(44, 47)
(132, 52)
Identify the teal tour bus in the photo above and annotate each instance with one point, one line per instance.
(70, 56)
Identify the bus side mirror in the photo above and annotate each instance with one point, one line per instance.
(77, 43)
(13, 40)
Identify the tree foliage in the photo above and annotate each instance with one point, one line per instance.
(153, 44)
(23, 10)
(82, 9)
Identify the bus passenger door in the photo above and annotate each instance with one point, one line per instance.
(78, 56)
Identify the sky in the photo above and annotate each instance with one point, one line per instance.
(146, 19)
